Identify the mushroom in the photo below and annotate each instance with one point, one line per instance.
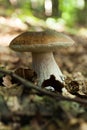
(42, 45)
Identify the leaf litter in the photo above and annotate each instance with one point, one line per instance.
(23, 108)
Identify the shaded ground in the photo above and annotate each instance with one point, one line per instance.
(23, 108)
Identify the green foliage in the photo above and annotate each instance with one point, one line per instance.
(25, 7)
(67, 10)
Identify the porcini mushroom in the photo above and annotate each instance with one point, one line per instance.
(42, 45)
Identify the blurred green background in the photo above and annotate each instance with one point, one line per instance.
(56, 14)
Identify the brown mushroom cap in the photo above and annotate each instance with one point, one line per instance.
(48, 40)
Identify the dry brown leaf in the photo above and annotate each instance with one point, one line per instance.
(7, 81)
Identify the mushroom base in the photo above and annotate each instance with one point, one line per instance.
(44, 65)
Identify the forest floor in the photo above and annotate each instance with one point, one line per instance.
(24, 108)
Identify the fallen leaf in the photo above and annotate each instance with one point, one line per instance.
(7, 81)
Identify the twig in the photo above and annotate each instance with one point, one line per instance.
(28, 84)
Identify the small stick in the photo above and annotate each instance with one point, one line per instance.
(30, 85)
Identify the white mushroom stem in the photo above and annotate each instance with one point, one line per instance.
(44, 65)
